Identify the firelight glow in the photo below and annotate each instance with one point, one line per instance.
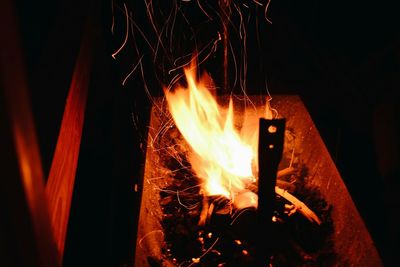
(224, 157)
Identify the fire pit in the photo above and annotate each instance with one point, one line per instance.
(199, 193)
(176, 214)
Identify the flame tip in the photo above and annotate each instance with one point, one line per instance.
(221, 155)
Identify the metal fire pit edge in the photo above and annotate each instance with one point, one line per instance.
(352, 241)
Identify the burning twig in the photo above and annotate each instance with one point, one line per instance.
(204, 212)
(285, 172)
(300, 206)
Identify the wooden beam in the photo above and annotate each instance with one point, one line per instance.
(22, 129)
(61, 178)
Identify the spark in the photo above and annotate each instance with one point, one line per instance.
(238, 213)
(173, 26)
(292, 157)
(163, 127)
(143, 76)
(197, 55)
(202, 9)
(135, 120)
(150, 16)
(234, 65)
(176, 78)
(269, 99)
(126, 35)
(141, 33)
(159, 42)
(147, 89)
(186, 206)
(266, 11)
(177, 192)
(151, 233)
(241, 21)
(206, 252)
(112, 12)
(243, 37)
(130, 73)
(258, 3)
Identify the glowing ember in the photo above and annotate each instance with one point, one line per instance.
(224, 156)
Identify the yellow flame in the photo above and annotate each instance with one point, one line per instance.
(223, 157)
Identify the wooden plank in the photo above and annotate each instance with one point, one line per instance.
(26, 147)
(61, 178)
(50, 72)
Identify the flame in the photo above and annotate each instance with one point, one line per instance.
(224, 157)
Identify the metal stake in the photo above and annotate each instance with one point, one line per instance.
(270, 148)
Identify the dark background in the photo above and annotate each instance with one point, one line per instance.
(342, 58)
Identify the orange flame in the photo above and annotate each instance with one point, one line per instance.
(223, 156)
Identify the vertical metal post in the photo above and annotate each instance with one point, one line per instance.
(270, 148)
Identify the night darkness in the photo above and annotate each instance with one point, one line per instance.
(341, 58)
